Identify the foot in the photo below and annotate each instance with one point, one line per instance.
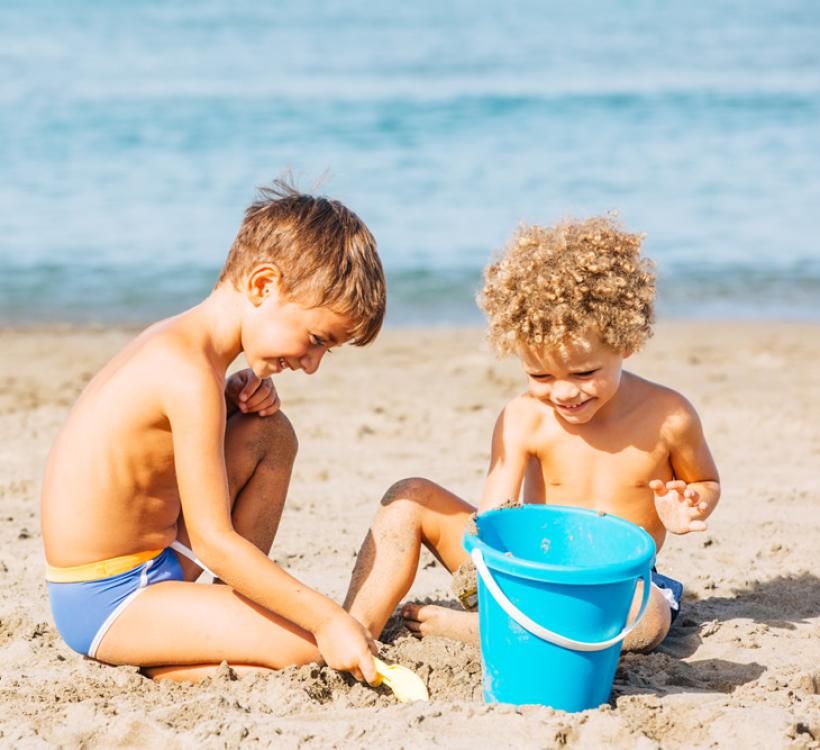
(430, 619)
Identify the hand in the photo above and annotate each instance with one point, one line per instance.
(679, 506)
(252, 395)
(347, 646)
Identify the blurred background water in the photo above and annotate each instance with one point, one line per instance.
(132, 136)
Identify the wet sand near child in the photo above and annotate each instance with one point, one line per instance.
(741, 667)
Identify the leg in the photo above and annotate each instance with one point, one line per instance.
(413, 512)
(259, 455)
(655, 623)
(193, 625)
(463, 626)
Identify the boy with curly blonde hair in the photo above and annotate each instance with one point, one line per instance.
(571, 301)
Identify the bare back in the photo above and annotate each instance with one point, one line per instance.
(110, 485)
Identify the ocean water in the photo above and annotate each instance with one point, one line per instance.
(132, 136)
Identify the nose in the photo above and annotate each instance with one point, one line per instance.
(564, 391)
(310, 362)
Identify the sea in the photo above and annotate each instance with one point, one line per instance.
(134, 134)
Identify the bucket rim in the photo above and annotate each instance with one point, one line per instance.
(632, 567)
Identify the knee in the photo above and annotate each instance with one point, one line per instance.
(414, 489)
(653, 627)
(274, 437)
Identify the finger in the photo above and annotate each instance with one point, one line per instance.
(697, 526)
(250, 387)
(367, 669)
(703, 506)
(272, 409)
(261, 399)
(657, 487)
(676, 484)
(356, 672)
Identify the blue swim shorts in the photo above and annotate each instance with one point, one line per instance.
(84, 610)
(671, 589)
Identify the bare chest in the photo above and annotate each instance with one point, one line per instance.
(606, 472)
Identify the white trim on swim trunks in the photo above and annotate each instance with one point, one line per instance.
(668, 595)
(109, 621)
(141, 586)
(189, 553)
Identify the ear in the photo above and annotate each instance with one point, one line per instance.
(263, 282)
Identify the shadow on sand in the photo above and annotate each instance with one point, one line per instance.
(782, 603)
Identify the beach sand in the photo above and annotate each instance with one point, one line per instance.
(740, 668)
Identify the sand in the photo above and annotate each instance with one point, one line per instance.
(741, 667)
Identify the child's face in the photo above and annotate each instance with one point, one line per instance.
(280, 334)
(576, 379)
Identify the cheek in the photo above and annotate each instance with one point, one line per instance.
(604, 386)
(538, 390)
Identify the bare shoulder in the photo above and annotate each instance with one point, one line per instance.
(167, 359)
(522, 418)
(186, 371)
(677, 416)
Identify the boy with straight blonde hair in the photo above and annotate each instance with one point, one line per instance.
(571, 301)
(165, 468)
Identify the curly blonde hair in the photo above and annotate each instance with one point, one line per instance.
(552, 284)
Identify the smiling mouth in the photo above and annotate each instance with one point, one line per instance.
(571, 407)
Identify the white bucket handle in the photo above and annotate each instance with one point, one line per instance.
(540, 631)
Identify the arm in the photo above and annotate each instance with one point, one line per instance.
(685, 503)
(510, 454)
(196, 409)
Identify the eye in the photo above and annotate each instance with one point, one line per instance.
(586, 373)
(541, 377)
(319, 341)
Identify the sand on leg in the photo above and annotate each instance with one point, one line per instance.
(413, 512)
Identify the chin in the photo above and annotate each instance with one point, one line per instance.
(577, 418)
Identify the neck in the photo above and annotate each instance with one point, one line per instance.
(614, 407)
(219, 318)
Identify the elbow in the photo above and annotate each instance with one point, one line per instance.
(210, 549)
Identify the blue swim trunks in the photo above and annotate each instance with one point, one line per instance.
(84, 610)
(671, 589)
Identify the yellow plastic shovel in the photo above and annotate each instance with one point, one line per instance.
(405, 683)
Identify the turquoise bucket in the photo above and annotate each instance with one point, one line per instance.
(555, 585)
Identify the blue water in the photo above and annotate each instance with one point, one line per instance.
(132, 135)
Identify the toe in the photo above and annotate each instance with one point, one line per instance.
(412, 611)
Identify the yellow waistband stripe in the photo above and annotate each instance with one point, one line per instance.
(102, 569)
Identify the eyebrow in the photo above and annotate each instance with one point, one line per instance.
(575, 371)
